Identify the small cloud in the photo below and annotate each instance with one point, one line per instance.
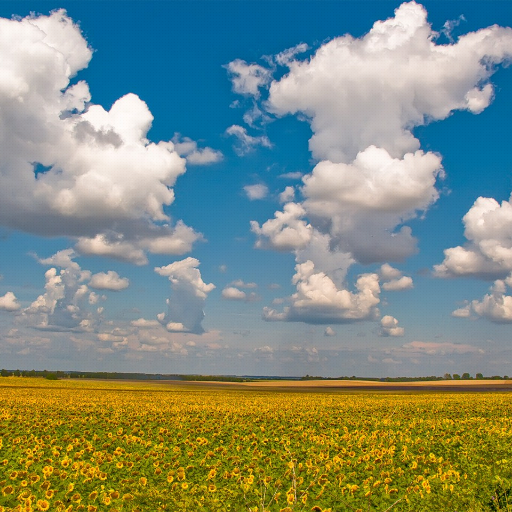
(329, 331)
(9, 302)
(248, 78)
(287, 195)
(255, 192)
(241, 284)
(245, 142)
(109, 281)
(389, 327)
(188, 149)
(297, 175)
(142, 322)
(232, 293)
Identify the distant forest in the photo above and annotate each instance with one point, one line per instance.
(57, 375)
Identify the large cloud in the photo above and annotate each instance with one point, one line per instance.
(373, 90)
(70, 167)
(362, 98)
(189, 292)
(361, 204)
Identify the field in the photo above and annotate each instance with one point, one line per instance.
(104, 446)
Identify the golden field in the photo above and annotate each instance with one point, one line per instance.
(108, 446)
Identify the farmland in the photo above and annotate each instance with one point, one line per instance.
(107, 446)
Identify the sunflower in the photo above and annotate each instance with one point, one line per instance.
(43, 505)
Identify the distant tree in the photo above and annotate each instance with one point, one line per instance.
(479, 376)
(456, 376)
(447, 376)
(4, 373)
(466, 376)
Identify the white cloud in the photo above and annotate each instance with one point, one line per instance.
(109, 281)
(329, 331)
(319, 301)
(64, 304)
(286, 231)
(245, 142)
(239, 283)
(434, 80)
(389, 327)
(297, 175)
(393, 280)
(496, 306)
(9, 302)
(287, 195)
(189, 292)
(372, 178)
(363, 204)
(488, 252)
(464, 312)
(284, 58)
(70, 167)
(142, 322)
(248, 78)
(257, 191)
(232, 293)
(187, 148)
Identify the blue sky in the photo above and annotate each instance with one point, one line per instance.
(264, 188)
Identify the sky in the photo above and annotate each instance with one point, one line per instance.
(256, 188)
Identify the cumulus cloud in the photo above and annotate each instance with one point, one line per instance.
(257, 191)
(389, 327)
(247, 78)
(287, 195)
(287, 231)
(64, 306)
(109, 281)
(488, 252)
(142, 322)
(371, 177)
(232, 293)
(393, 280)
(434, 81)
(70, 167)
(329, 331)
(319, 301)
(496, 306)
(186, 147)
(189, 293)
(362, 205)
(245, 142)
(9, 302)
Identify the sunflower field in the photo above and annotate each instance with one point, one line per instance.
(103, 446)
